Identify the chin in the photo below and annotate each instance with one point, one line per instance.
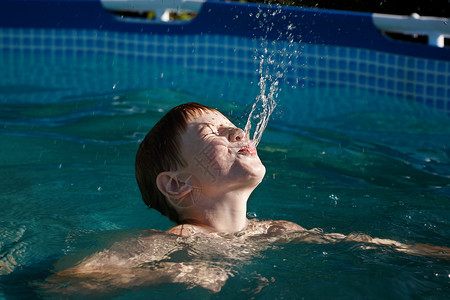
(257, 173)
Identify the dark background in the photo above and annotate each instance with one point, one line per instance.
(438, 8)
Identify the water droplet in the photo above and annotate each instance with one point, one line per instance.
(99, 189)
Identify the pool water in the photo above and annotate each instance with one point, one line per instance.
(343, 160)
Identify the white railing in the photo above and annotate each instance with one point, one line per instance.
(436, 29)
(161, 8)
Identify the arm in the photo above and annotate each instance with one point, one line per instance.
(316, 236)
(107, 281)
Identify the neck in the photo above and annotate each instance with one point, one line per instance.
(224, 213)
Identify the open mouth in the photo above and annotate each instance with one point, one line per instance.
(247, 150)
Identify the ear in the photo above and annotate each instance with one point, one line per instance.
(171, 186)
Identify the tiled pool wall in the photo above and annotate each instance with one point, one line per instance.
(303, 65)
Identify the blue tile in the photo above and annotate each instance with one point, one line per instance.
(430, 91)
(391, 72)
(301, 60)
(131, 47)
(181, 50)
(160, 49)
(362, 79)
(312, 73)
(440, 92)
(421, 64)
(332, 51)
(101, 44)
(179, 61)
(351, 78)
(411, 63)
(431, 65)
(352, 66)
(362, 67)
(419, 89)
(301, 72)
(441, 66)
(322, 74)
(420, 77)
(430, 78)
(390, 85)
(409, 86)
(391, 60)
(332, 64)
(211, 50)
(169, 60)
(322, 63)
(322, 51)
(363, 55)
(332, 76)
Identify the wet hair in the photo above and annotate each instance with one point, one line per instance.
(160, 151)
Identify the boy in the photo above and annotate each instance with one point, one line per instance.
(198, 169)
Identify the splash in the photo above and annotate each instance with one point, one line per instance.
(265, 103)
(274, 60)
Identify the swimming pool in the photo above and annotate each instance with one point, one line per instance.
(343, 155)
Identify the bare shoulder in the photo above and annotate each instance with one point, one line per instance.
(186, 230)
(280, 226)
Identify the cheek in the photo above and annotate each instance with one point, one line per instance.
(212, 161)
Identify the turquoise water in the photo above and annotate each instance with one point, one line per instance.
(342, 160)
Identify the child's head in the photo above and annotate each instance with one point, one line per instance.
(160, 151)
(193, 157)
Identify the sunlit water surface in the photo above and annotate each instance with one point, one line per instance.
(341, 160)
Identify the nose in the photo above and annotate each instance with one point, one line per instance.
(236, 135)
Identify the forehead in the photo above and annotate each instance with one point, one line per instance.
(210, 118)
